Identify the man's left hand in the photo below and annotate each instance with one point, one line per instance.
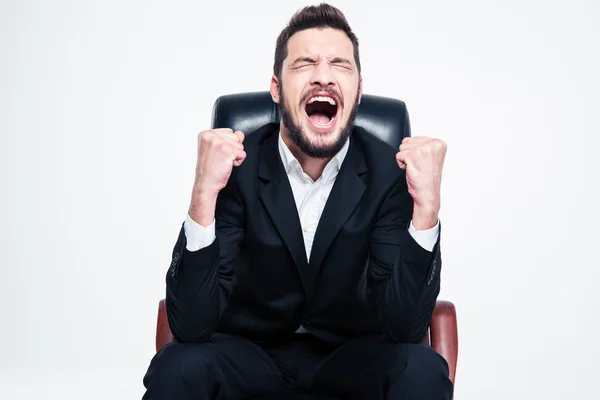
(423, 159)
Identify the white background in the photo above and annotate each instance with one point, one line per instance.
(100, 106)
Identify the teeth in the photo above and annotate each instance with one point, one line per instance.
(326, 99)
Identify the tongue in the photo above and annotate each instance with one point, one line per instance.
(321, 119)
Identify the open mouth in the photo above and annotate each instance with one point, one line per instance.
(322, 111)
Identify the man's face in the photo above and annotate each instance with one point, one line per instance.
(318, 91)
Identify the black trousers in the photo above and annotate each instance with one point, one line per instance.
(231, 368)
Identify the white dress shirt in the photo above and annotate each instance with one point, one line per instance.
(310, 197)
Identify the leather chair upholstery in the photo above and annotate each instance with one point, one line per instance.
(386, 118)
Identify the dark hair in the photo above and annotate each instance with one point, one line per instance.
(321, 16)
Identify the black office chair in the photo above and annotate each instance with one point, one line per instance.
(387, 119)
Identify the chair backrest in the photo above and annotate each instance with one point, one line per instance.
(385, 117)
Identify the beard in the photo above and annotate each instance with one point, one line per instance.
(299, 137)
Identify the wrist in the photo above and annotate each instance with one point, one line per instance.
(202, 207)
(204, 191)
(425, 218)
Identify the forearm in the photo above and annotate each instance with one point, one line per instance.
(409, 296)
(198, 289)
(194, 297)
(200, 278)
(404, 267)
(203, 205)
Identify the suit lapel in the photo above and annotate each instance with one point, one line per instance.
(345, 196)
(278, 199)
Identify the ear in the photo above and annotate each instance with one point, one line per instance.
(360, 88)
(274, 89)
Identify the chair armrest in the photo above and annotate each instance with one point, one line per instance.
(163, 331)
(444, 334)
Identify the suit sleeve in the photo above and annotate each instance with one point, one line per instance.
(403, 277)
(200, 282)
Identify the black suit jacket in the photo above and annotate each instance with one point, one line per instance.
(366, 274)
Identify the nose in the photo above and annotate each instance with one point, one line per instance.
(322, 75)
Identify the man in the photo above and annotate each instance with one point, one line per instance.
(309, 260)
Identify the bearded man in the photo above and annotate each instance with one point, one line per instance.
(309, 259)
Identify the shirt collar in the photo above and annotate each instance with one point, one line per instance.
(290, 162)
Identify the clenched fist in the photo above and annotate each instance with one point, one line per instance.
(423, 159)
(219, 150)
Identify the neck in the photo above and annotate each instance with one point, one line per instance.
(313, 167)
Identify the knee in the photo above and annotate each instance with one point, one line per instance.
(180, 363)
(419, 363)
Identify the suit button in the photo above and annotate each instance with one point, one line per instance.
(176, 258)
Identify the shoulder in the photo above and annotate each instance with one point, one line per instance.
(255, 143)
(256, 138)
(380, 157)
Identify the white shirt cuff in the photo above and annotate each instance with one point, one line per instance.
(198, 236)
(426, 238)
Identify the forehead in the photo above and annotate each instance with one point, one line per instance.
(326, 42)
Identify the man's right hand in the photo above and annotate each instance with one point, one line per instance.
(219, 150)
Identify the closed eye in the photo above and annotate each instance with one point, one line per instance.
(343, 65)
(302, 62)
(301, 66)
(342, 62)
